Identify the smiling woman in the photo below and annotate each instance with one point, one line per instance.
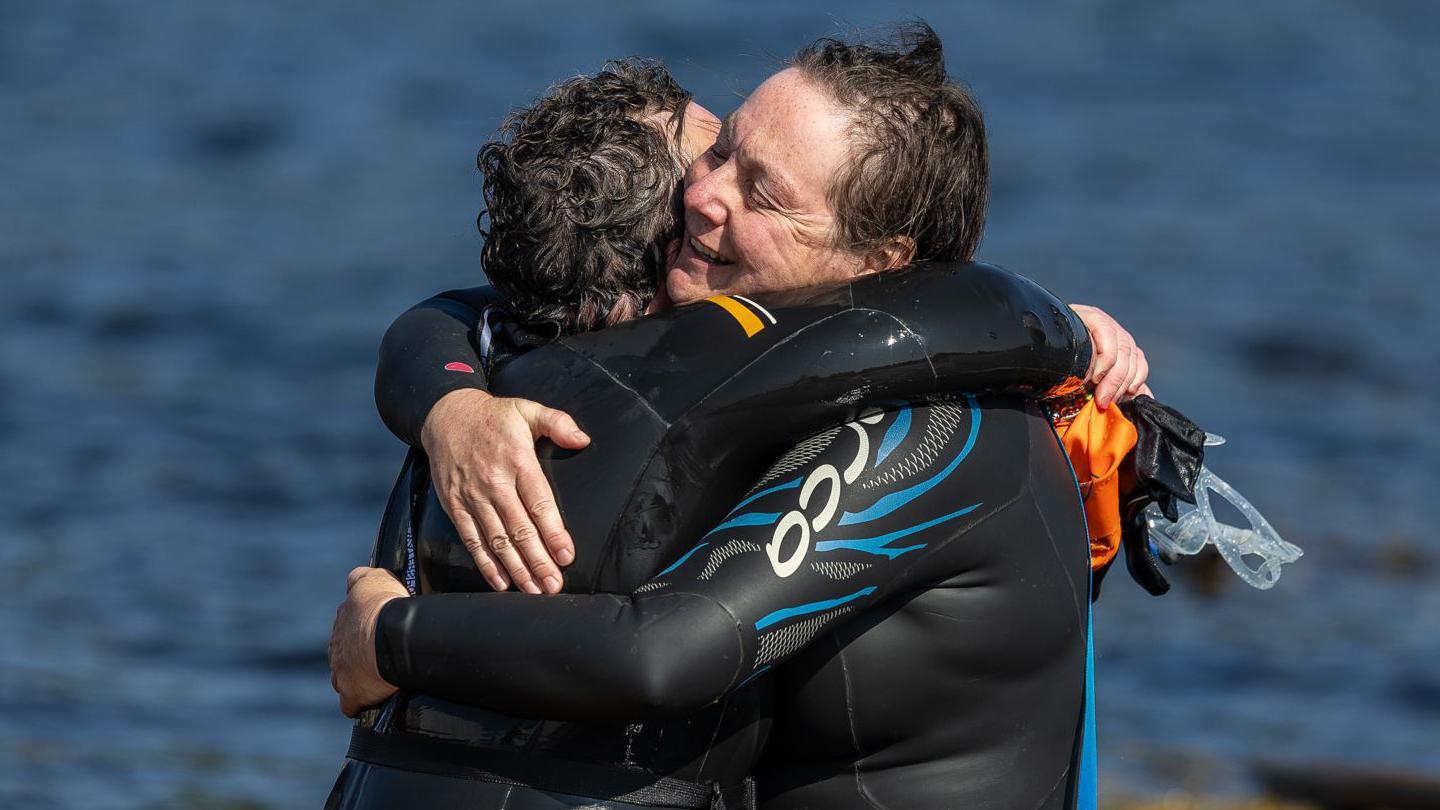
(757, 209)
(854, 160)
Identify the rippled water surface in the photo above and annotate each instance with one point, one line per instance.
(209, 213)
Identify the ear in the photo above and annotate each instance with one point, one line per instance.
(892, 254)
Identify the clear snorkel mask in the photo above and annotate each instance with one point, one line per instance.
(1198, 525)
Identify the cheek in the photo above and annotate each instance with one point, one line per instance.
(760, 245)
(792, 261)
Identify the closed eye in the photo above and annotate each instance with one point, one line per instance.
(753, 195)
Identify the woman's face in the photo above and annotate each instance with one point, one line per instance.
(757, 211)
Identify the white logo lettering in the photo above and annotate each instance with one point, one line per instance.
(795, 518)
(791, 564)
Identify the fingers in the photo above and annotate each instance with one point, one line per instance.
(1145, 392)
(535, 491)
(534, 571)
(1118, 368)
(555, 425)
(496, 495)
(1115, 377)
(473, 534)
(468, 509)
(332, 656)
(356, 574)
(1104, 343)
(335, 648)
(1125, 390)
(1093, 325)
(1137, 379)
(488, 562)
(499, 539)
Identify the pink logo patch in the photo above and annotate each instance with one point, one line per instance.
(465, 367)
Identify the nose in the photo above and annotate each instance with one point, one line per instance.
(706, 193)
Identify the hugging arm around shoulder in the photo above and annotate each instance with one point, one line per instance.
(849, 518)
(985, 328)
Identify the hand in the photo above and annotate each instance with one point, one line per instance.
(353, 672)
(488, 479)
(1118, 368)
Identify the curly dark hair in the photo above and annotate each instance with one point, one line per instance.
(581, 194)
(920, 166)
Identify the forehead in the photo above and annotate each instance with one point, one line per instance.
(695, 135)
(698, 134)
(792, 127)
(696, 115)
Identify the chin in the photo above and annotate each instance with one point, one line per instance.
(683, 288)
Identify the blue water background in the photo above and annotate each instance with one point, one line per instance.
(209, 212)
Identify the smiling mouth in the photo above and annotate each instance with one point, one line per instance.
(707, 255)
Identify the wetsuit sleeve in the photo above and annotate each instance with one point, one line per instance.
(429, 351)
(849, 518)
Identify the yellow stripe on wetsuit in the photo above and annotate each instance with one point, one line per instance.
(742, 314)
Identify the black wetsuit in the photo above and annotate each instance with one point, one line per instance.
(696, 401)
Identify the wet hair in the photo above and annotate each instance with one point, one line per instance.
(581, 196)
(919, 165)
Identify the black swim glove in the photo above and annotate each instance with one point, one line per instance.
(1169, 452)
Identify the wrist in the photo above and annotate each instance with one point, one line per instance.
(381, 658)
(440, 412)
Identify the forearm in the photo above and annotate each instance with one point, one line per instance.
(998, 332)
(428, 352)
(596, 657)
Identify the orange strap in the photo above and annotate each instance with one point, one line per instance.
(1098, 443)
